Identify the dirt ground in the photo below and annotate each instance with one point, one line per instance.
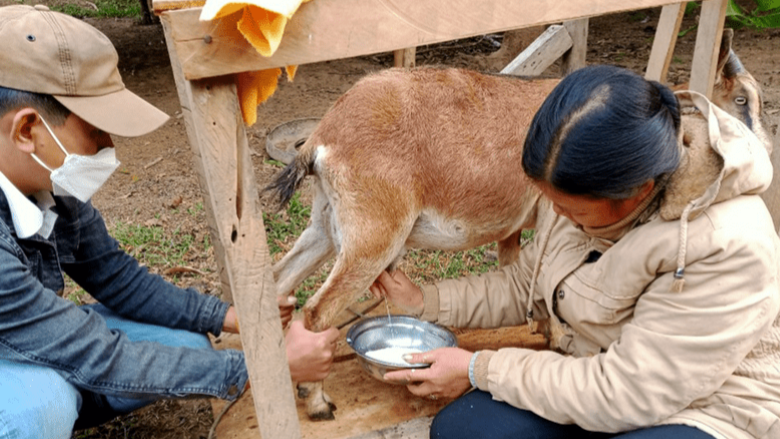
(157, 184)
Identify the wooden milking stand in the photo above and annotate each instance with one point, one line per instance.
(205, 55)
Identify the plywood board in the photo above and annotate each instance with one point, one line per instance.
(333, 29)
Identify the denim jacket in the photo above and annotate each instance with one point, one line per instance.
(39, 327)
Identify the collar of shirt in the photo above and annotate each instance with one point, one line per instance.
(29, 218)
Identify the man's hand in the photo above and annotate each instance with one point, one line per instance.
(286, 307)
(399, 290)
(231, 321)
(310, 354)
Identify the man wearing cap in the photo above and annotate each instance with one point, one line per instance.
(63, 366)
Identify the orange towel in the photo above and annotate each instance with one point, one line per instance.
(262, 24)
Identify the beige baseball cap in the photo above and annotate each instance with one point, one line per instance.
(55, 54)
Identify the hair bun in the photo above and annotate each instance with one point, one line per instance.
(668, 101)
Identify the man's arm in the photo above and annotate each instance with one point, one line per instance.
(95, 261)
(38, 327)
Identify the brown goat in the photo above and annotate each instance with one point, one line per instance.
(426, 158)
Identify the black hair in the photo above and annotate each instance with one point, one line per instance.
(604, 131)
(12, 99)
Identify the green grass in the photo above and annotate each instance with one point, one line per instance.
(154, 247)
(282, 229)
(101, 9)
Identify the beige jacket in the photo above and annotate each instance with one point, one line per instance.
(639, 348)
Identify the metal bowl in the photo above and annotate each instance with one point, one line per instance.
(395, 331)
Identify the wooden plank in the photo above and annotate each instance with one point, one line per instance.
(415, 429)
(575, 58)
(664, 42)
(221, 153)
(545, 50)
(405, 57)
(333, 29)
(705, 52)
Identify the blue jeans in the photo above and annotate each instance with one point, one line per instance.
(477, 415)
(37, 402)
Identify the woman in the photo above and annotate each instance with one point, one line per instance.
(655, 264)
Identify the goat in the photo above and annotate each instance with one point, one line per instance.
(426, 158)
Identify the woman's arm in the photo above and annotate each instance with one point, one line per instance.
(678, 348)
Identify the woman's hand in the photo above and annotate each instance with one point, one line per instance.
(448, 376)
(310, 354)
(399, 290)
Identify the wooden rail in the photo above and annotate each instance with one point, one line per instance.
(332, 29)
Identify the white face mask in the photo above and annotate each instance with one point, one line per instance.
(80, 176)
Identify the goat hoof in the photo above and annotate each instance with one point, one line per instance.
(324, 415)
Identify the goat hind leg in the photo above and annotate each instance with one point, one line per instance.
(350, 276)
(311, 250)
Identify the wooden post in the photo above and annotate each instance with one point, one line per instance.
(575, 58)
(405, 57)
(664, 42)
(705, 52)
(221, 153)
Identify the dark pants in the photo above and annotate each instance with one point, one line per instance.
(477, 415)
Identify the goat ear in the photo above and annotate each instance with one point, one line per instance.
(725, 54)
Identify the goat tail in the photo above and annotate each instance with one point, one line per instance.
(289, 180)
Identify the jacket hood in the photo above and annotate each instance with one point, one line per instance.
(721, 159)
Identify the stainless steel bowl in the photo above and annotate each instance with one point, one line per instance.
(395, 331)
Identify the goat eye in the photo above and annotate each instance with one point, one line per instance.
(740, 100)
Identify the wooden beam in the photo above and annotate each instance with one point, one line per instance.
(664, 42)
(705, 52)
(405, 57)
(545, 50)
(333, 29)
(221, 153)
(574, 58)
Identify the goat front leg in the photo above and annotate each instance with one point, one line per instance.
(509, 249)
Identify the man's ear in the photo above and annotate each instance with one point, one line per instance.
(22, 129)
